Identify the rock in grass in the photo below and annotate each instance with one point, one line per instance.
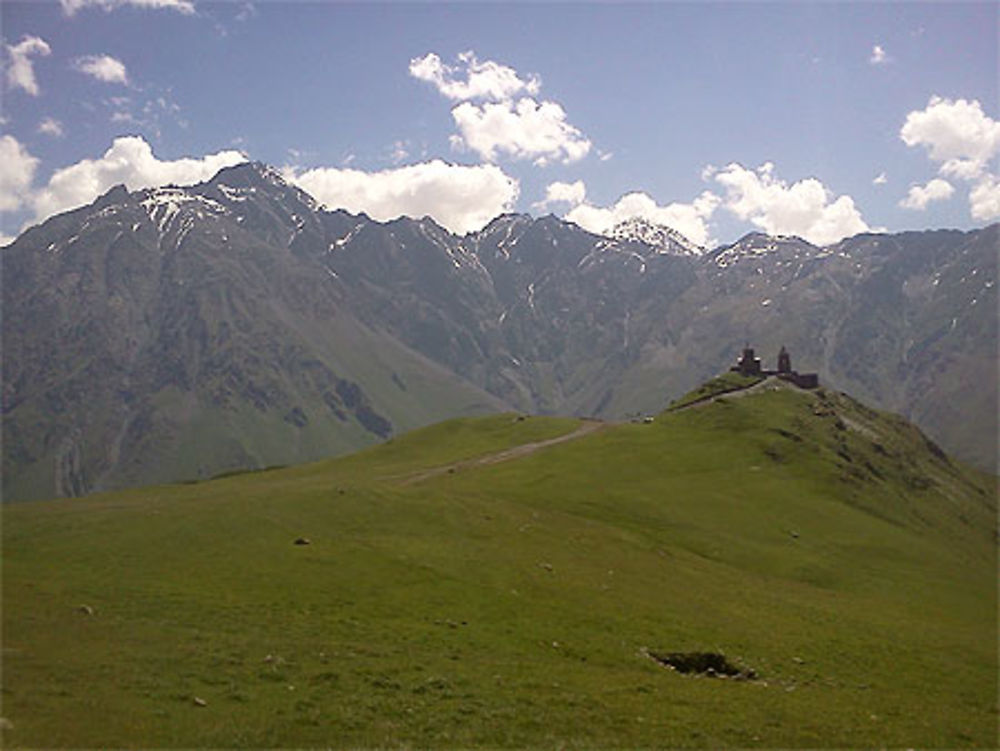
(199, 702)
(303, 541)
(86, 610)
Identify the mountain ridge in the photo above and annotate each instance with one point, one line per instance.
(242, 298)
(253, 174)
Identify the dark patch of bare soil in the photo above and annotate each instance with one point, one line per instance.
(713, 664)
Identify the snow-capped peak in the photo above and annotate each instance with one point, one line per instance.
(664, 239)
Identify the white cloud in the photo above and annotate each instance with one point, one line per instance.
(148, 115)
(460, 198)
(523, 130)
(805, 208)
(103, 68)
(17, 174)
(130, 161)
(881, 179)
(984, 199)
(400, 153)
(962, 140)
(51, 127)
(957, 134)
(879, 56)
(558, 192)
(921, 195)
(472, 79)
(247, 11)
(70, 7)
(20, 72)
(962, 169)
(509, 121)
(690, 219)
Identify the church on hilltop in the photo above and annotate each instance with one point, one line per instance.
(749, 365)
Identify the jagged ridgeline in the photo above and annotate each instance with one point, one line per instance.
(767, 567)
(176, 333)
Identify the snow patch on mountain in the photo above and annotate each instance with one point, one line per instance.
(164, 204)
(661, 238)
(757, 245)
(346, 239)
(235, 194)
(455, 254)
(511, 225)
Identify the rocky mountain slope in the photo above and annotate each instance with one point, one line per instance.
(179, 332)
(173, 334)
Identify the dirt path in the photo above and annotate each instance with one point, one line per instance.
(588, 427)
(768, 383)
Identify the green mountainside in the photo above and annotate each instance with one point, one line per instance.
(510, 582)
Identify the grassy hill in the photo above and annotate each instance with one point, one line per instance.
(449, 600)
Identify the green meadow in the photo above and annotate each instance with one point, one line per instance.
(444, 601)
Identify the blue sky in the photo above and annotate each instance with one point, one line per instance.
(821, 120)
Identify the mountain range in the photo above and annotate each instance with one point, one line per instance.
(175, 333)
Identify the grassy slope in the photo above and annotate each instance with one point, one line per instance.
(509, 604)
(717, 386)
